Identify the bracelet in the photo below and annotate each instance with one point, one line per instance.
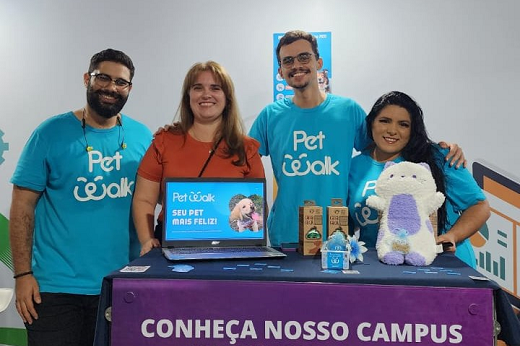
(22, 274)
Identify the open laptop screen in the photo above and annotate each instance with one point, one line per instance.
(201, 211)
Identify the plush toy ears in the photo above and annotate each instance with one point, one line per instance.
(425, 165)
(388, 164)
(391, 163)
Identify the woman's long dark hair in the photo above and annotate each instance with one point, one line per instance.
(420, 147)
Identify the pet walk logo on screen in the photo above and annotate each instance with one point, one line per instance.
(192, 216)
(214, 209)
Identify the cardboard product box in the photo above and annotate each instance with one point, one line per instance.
(337, 217)
(310, 228)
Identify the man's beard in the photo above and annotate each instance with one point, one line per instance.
(106, 110)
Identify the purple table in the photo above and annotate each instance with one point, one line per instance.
(292, 302)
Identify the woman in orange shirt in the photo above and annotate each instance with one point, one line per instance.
(208, 141)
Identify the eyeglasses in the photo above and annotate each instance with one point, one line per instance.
(104, 80)
(288, 61)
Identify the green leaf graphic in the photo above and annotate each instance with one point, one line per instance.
(13, 336)
(5, 248)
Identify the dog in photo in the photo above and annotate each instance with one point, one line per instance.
(244, 216)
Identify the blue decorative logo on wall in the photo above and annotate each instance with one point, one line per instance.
(3, 147)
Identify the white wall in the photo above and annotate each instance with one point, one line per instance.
(459, 59)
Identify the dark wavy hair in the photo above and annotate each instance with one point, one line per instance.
(420, 148)
(114, 56)
(296, 35)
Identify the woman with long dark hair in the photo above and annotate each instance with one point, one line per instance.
(396, 126)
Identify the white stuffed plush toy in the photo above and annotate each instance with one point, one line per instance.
(406, 195)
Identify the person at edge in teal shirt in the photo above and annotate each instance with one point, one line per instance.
(396, 126)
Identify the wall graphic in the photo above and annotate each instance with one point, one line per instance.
(497, 244)
(3, 147)
(12, 331)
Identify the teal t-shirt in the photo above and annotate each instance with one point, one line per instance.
(83, 225)
(462, 192)
(310, 152)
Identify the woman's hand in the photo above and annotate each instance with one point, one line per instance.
(149, 245)
(447, 238)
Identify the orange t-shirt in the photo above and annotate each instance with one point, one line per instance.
(178, 155)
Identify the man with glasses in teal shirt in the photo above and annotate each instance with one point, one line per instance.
(309, 138)
(70, 222)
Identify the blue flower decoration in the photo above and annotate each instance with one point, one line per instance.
(357, 249)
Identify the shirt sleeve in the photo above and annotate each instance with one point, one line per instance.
(461, 188)
(258, 131)
(32, 169)
(256, 168)
(151, 166)
(362, 140)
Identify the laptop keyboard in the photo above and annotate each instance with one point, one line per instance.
(190, 250)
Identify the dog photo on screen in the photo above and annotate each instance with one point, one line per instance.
(246, 213)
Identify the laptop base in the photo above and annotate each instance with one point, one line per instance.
(184, 254)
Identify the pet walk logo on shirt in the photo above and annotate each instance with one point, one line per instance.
(300, 165)
(363, 213)
(99, 189)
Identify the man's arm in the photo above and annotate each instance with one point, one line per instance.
(21, 230)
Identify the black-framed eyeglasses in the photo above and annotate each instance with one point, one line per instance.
(304, 58)
(104, 80)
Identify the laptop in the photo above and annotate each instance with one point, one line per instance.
(215, 218)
